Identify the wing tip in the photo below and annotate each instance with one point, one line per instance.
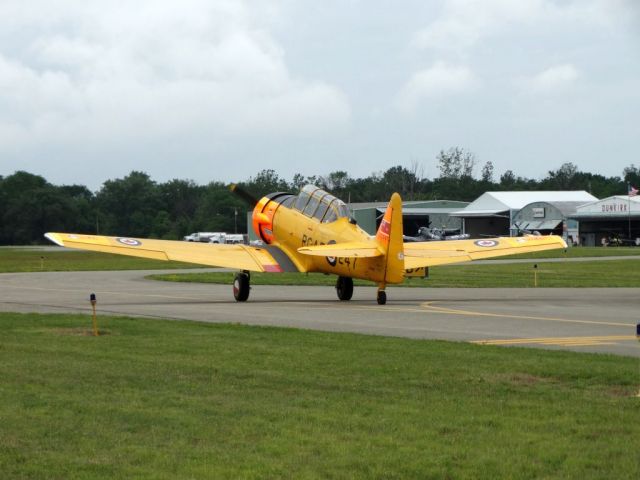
(53, 237)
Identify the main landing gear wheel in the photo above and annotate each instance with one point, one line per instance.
(241, 287)
(382, 297)
(344, 288)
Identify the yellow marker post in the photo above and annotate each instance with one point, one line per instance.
(535, 274)
(92, 299)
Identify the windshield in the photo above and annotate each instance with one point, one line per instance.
(315, 202)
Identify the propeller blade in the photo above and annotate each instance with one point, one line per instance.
(244, 195)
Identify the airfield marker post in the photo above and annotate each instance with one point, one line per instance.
(638, 337)
(535, 274)
(92, 299)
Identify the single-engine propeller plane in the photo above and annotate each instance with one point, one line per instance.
(313, 232)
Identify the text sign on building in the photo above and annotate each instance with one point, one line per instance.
(615, 207)
(538, 212)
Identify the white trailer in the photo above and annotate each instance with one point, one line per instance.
(201, 236)
(229, 238)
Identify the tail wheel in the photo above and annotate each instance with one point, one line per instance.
(382, 297)
(241, 287)
(344, 287)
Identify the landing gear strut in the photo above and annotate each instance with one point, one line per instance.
(382, 296)
(241, 286)
(344, 288)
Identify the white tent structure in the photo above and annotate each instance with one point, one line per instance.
(493, 212)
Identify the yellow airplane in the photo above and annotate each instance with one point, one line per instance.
(313, 232)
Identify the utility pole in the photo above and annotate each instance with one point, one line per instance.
(629, 207)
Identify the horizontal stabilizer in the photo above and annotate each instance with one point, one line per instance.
(345, 250)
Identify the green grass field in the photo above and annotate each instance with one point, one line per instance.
(27, 260)
(611, 273)
(161, 399)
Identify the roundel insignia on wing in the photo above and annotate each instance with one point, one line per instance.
(131, 242)
(486, 243)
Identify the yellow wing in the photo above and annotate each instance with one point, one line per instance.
(241, 257)
(345, 249)
(427, 254)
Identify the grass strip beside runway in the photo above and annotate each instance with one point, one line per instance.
(611, 273)
(166, 399)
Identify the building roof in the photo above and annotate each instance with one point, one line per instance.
(492, 203)
(615, 206)
(565, 208)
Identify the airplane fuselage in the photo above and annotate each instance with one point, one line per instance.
(282, 225)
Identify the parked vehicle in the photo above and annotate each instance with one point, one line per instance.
(200, 236)
(229, 238)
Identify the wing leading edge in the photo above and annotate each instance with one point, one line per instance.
(241, 257)
(428, 254)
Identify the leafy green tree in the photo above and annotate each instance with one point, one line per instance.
(181, 199)
(266, 181)
(337, 183)
(631, 174)
(30, 206)
(487, 173)
(456, 163)
(129, 205)
(564, 178)
(401, 180)
(220, 210)
(456, 180)
(298, 182)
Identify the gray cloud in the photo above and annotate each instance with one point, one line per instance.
(139, 72)
(221, 89)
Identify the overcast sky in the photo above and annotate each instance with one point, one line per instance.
(218, 90)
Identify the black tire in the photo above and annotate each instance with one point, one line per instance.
(241, 287)
(344, 288)
(382, 297)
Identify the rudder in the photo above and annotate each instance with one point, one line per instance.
(389, 238)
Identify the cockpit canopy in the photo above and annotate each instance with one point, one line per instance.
(316, 203)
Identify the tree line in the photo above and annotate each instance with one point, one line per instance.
(138, 206)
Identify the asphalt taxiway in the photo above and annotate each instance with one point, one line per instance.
(581, 319)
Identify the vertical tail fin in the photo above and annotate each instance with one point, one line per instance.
(389, 238)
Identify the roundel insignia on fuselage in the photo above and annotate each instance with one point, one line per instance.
(332, 260)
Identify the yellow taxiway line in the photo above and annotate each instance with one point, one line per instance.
(432, 308)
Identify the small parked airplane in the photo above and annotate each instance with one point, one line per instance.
(313, 232)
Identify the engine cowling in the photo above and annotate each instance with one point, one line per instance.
(264, 213)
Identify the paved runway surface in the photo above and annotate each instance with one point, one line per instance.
(585, 319)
